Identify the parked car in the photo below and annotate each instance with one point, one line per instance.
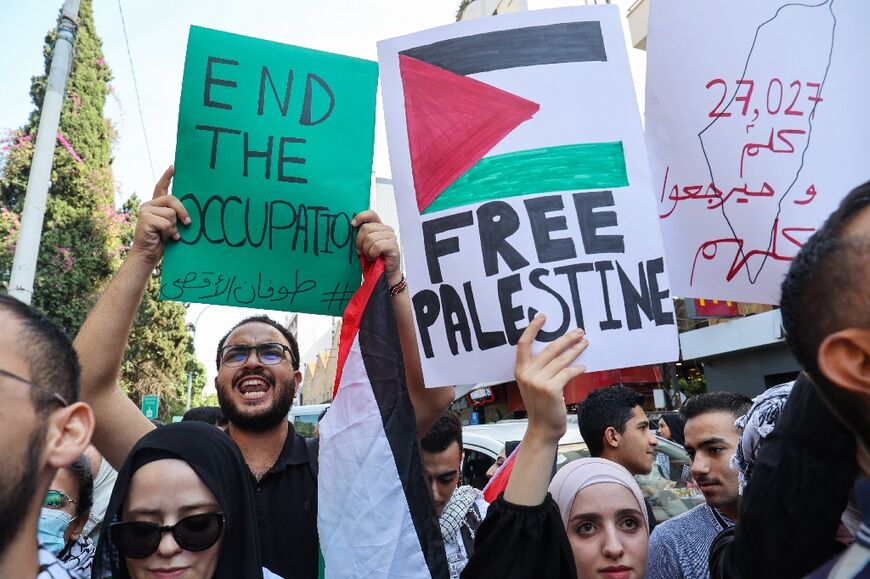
(305, 417)
(668, 498)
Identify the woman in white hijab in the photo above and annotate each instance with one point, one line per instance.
(590, 522)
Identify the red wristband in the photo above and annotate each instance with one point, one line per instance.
(399, 287)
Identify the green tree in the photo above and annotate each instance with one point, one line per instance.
(84, 238)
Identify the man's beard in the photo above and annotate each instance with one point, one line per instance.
(16, 495)
(265, 419)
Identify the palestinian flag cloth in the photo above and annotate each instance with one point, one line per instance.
(375, 515)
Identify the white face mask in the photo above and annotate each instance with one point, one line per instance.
(52, 526)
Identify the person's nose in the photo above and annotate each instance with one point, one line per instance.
(700, 466)
(168, 547)
(612, 548)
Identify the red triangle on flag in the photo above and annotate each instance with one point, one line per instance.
(453, 121)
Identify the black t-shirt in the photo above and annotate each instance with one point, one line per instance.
(286, 501)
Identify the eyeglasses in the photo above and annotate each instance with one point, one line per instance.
(57, 397)
(269, 354)
(58, 500)
(140, 539)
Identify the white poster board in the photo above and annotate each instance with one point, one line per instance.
(522, 185)
(756, 127)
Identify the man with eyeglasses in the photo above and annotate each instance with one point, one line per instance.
(42, 428)
(258, 373)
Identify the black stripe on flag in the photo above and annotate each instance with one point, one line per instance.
(501, 49)
(382, 357)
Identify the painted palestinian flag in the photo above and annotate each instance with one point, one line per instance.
(454, 120)
(375, 515)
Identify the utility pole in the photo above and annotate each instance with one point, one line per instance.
(27, 248)
(190, 372)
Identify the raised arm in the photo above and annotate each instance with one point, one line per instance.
(102, 340)
(541, 380)
(378, 240)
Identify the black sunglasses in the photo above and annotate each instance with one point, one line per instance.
(140, 539)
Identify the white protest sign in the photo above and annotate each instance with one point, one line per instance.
(756, 127)
(522, 185)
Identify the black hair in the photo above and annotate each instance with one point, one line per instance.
(825, 290)
(84, 476)
(261, 319)
(443, 433)
(677, 426)
(603, 408)
(49, 352)
(732, 402)
(208, 414)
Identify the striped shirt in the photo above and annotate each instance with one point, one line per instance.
(679, 548)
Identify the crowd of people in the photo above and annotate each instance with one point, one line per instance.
(91, 488)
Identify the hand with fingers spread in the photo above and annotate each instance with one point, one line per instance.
(542, 378)
(376, 239)
(158, 219)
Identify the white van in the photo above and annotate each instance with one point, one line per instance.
(305, 417)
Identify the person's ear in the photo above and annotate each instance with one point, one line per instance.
(844, 359)
(297, 379)
(611, 438)
(69, 434)
(77, 525)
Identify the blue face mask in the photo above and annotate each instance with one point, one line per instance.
(52, 524)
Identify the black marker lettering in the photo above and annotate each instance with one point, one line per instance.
(511, 314)
(591, 221)
(496, 222)
(602, 267)
(549, 249)
(543, 335)
(282, 106)
(210, 80)
(485, 340)
(452, 306)
(267, 154)
(436, 248)
(426, 311)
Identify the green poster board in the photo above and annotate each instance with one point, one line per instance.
(273, 160)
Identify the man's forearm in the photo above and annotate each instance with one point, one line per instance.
(428, 403)
(103, 337)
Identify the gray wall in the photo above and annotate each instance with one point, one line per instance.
(749, 371)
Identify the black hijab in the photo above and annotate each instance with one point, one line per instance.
(217, 461)
(676, 424)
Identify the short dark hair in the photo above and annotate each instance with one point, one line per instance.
(603, 408)
(732, 402)
(84, 476)
(443, 433)
(825, 290)
(262, 319)
(49, 352)
(208, 414)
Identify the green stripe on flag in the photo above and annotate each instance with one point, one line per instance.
(564, 168)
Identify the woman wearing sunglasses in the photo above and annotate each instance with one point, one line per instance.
(182, 507)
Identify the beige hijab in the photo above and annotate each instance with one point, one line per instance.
(579, 474)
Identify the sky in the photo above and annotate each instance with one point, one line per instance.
(157, 36)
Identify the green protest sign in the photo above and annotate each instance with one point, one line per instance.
(273, 160)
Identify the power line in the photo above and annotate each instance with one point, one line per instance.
(136, 89)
